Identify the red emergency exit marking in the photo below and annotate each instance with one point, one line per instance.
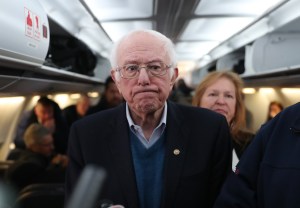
(28, 21)
(32, 24)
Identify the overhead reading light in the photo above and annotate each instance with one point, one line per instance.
(249, 90)
(291, 91)
(11, 100)
(93, 94)
(75, 96)
(266, 90)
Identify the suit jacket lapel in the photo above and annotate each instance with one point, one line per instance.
(176, 141)
(122, 158)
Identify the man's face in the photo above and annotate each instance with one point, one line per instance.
(43, 113)
(83, 105)
(46, 147)
(144, 94)
(113, 95)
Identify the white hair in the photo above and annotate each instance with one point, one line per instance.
(35, 134)
(168, 46)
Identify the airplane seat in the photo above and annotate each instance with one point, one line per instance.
(4, 165)
(14, 154)
(41, 195)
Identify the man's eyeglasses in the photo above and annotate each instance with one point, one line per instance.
(130, 71)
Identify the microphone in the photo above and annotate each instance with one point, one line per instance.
(106, 203)
(88, 188)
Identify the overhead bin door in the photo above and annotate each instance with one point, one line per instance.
(24, 31)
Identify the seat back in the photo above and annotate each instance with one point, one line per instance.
(4, 165)
(41, 195)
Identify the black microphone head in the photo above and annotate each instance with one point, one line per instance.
(105, 203)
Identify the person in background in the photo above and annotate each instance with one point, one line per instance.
(221, 91)
(248, 117)
(274, 108)
(156, 153)
(268, 173)
(111, 97)
(181, 93)
(74, 112)
(37, 163)
(47, 113)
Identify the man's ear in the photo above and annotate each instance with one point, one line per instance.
(174, 77)
(113, 74)
(116, 77)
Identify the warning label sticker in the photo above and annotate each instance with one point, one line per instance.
(32, 25)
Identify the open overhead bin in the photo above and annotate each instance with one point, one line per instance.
(24, 47)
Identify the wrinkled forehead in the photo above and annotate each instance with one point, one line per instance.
(141, 46)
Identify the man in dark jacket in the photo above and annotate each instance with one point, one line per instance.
(157, 154)
(47, 113)
(268, 174)
(77, 111)
(37, 164)
(111, 97)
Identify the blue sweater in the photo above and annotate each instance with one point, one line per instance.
(148, 166)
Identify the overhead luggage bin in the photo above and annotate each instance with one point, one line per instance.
(24, 32)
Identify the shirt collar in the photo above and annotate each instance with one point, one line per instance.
(162, 121)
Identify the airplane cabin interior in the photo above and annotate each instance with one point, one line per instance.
(61, 49)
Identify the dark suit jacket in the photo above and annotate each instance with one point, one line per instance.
(191, 179)
(268, 174)
(32, 168)
(60, 135)
(71, 115)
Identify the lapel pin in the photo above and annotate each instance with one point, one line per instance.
(176, 152)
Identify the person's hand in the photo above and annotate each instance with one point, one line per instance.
(61, 160)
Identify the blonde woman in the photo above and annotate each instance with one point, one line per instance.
(221, 91)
